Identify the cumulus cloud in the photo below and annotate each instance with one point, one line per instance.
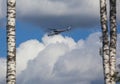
(24, 53)
(60, 60)
(2, 70)
(59, 13)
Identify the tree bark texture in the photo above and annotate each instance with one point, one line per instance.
(11, 45)
(113, 39)
(105, 41)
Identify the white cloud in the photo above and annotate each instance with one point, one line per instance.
(27, 51)
(60, 60)
(65, 61)
(24, 50)
(59, 39)
(2, 70)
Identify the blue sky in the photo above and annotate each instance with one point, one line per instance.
(71, 57)
(26, 31)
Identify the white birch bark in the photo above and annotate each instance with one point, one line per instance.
(11, 45)
(113, 39)
(105, 42)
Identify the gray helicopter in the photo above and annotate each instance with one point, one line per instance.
(58, 31)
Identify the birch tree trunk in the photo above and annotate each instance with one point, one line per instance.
(113, 39)
(105, 42)
(11, 45)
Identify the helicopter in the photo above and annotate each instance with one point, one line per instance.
(58, 31)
